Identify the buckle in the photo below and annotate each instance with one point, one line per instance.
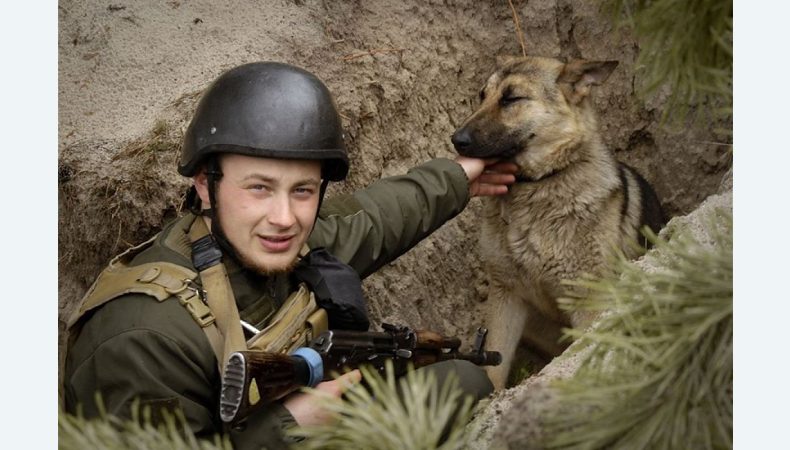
(196, 303)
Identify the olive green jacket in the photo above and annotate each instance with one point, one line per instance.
(137, 348)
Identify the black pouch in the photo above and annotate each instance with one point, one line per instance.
(337, 288)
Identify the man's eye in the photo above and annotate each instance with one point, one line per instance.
(304, 191)
(257, 187)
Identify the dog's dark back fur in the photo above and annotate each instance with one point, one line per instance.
(652, 214)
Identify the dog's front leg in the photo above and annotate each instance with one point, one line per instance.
(507, 313)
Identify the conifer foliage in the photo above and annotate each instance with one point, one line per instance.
(685, 46)
(171, 432)
(659, 369)
(413, 412)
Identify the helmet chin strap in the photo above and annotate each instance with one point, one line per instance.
(321, 193)
(213, 175)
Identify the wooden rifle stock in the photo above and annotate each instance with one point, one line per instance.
(255, 378)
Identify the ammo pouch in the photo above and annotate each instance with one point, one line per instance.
(294, 325)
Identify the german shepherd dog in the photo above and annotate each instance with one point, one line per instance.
(571, 209)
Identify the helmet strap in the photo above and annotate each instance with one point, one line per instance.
(192, 202)
(213, 175)
(321, 193)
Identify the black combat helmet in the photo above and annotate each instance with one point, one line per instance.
(271, 110)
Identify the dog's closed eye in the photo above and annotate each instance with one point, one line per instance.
(509, 96)
(505, 101)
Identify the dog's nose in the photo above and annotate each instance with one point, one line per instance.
(462, 139)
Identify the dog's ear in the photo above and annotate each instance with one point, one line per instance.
(578, 76)
(503, 60)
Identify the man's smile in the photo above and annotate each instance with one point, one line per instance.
(276, 244)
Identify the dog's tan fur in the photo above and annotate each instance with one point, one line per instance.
(570, 212)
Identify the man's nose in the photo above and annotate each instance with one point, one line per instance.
(281, 213)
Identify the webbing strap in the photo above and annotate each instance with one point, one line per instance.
(159, 280)
(162, 280)
(215, 339)
(221, 302)
(188, 295)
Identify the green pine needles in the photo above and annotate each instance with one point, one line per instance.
(413, 412)
(138, 433)
(659, 369)
(685, 45)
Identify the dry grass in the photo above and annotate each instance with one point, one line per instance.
(519, 34)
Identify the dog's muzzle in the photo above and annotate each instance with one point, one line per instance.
(467, 144)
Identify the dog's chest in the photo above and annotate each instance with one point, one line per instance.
(534, 233)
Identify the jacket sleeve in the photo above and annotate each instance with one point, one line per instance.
(160, 368)
(375, 225)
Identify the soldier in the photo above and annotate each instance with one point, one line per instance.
(264, 142)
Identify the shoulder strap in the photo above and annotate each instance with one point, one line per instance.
(159, 280)
(219, 296)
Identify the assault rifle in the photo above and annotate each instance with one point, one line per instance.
(254, 378)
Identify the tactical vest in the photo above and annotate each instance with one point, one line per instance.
(208, 298)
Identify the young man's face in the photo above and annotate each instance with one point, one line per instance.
(266, 207)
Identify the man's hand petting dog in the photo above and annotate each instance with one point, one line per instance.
(488, 177)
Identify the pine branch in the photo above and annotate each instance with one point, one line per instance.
(412, 412)
(109, 432)
(684, 45)
(659, 371)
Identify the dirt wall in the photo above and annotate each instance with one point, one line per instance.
(404, 74)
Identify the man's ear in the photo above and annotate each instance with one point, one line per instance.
(578, 76)
(201, 186)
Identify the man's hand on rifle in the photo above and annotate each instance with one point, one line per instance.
(303, 406)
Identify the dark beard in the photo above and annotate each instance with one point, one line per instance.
(249, 265)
